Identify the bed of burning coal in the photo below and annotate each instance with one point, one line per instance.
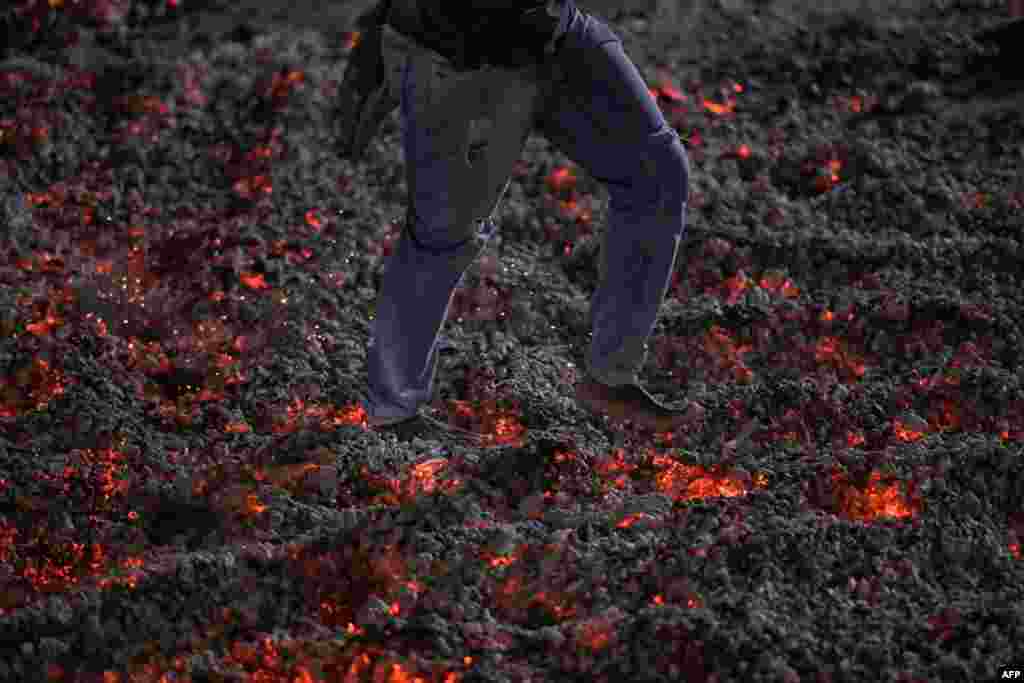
(187, 488)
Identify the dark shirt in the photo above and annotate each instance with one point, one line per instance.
(504, 33)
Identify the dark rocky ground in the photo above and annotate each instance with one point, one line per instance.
(188, 273)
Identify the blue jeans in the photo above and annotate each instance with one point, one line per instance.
(594, 105)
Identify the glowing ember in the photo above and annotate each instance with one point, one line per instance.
(833, 351)
(857, 104)
(596, 636)
(249, 188)
(691, 482)
(423, 475)
(423, 478)
(494, 424)
(824, 168)
(501, 561)
(907, 431)
(827, 348)
(631, 519)
(876, 500)
(313, 220)
(736, 285)
(777, 282)
(31, 387)
(350, 40)
(720, 109)
(561, 180)
(728, 353)
(598, 633)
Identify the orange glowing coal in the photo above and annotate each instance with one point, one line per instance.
(857, 103)
(485, 418)
(514, 594)
(828, 176)
(249, 188)
(692, 482)
(253, 280)
(735, 286)
(424, 474)
(422, 478)
(616, 462)
(561, 180)
(907, 431)
(31, 387)
(350, 39)
(501, 561)
(833, 351)
(595, 636)
(728, 353)
(878, 499)
(615, 469)
(777, 282)
(631, 519)
(827, 348)
(140, 104)
(313, 220)
(720, 109)
(282, 83)
(557, 605)
(572, 210)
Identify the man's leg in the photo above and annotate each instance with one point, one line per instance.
(599, 113)
(451, 201)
